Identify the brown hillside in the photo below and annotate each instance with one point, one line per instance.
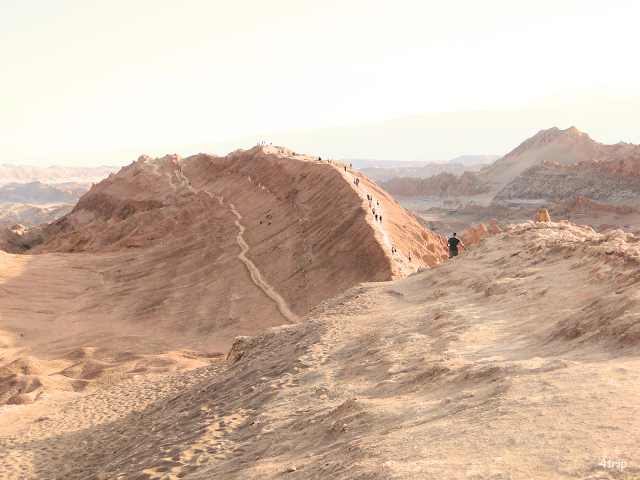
(10, 241)
(162, 265)
(517, 359)
(565, 147)
(606, 180)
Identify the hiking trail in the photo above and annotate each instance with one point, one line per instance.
(255, 274)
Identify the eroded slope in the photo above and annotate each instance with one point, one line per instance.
(518, 359)
(173, 258)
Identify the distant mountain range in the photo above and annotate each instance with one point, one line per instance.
(32, 195)
(552, 165)
(378, 174)
(54, 174)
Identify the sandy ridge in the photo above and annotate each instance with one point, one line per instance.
(399, 262)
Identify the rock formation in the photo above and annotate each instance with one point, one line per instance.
(603, 181)
(542, 216)
(565, 147)
(552, 165)
(172, 258)
(34, 195)
(381, 174)
(474, 235)
(437, 185)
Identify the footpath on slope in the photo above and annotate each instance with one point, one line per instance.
(254, 272)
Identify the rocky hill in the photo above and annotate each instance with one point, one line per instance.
(33, 215)
(39, 193)
(160, 267)
(438, 185)
(552, 165)
(380, 174)
(564, 147)
(602, 181)
(10, 242)
(490, 365)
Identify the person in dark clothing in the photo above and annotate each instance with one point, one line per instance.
(453, 245)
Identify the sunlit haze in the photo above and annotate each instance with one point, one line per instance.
(83, 76)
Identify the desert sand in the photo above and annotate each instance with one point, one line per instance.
(517, 359)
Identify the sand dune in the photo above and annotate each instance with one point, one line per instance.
(518, 359)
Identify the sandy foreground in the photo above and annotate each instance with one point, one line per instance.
(518, 359)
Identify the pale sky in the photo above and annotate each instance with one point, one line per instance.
(83, 75)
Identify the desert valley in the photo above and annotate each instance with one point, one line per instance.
(267, 314)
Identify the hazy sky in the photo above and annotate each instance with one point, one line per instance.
(83, 75)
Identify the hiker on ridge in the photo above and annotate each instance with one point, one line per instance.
(453, 245)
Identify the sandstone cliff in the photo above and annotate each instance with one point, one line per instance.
(603, 181)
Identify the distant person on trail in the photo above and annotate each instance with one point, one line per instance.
(453, 245)
(409, 257)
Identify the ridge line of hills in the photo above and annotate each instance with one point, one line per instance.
(552, 165)
(179, 256)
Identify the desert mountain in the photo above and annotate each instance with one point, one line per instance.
(34, 195)
(518, 359)
(381, 174)
(564, 147)
(438, 185)
(54, 174)
(160, 266)
(610, 181)
(553, 164)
